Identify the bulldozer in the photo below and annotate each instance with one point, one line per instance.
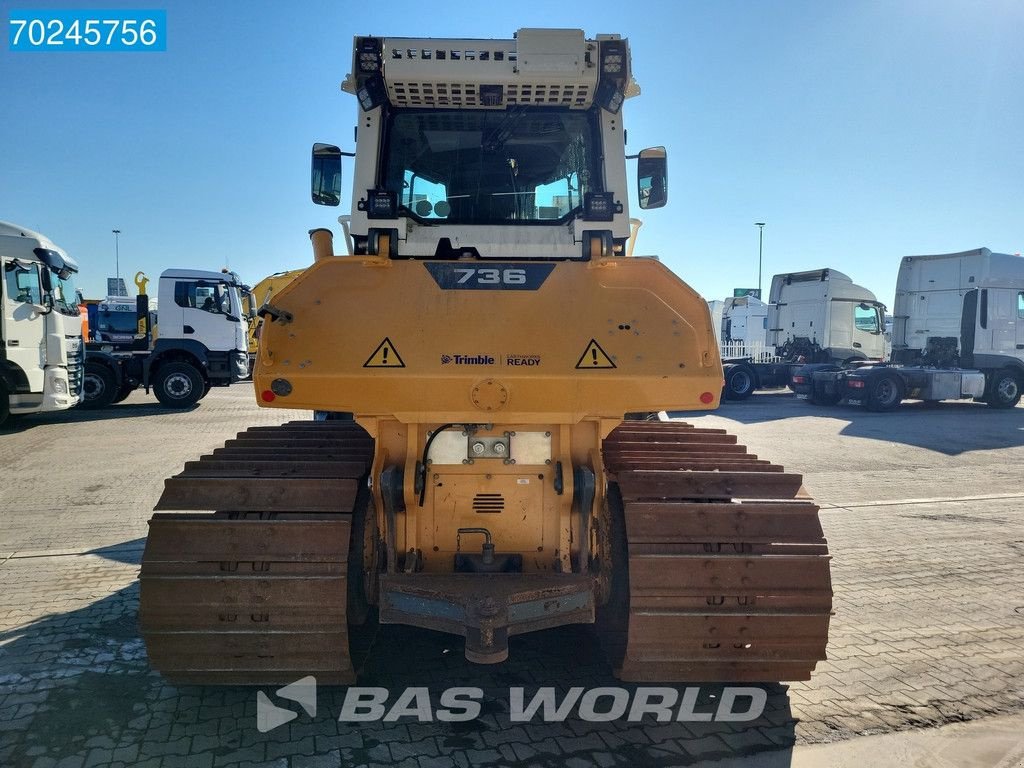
(489, 347)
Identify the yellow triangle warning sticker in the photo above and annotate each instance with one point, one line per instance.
(384, 356)
(594, 357)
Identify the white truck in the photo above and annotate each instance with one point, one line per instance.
(40, 326)
(744, 325)
(202, 343)
(817, 316)
(958, 333)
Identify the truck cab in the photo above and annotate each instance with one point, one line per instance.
(744, 324)
(202, 343)
(958, 333)
(40, 325)
(823, 316)
(819, 318)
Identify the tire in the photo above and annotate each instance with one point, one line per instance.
(206, 389)
(5, 406)
(178, 385)
(884, 392)
(739, 383)
(99, 387)
(1004, 389)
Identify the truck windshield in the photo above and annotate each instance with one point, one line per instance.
(65, 297)
(116, 321)
(490, 167)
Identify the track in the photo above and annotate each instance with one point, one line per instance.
(728, 575)
(727, 579)
(256, 591)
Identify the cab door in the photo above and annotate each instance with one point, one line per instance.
(207, 314)
(1019, 323)
(24, 323)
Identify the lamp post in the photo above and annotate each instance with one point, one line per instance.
(760, 250)
(117, 257)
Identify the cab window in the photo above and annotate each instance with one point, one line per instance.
(208, 297)
(23, 283)
(865, 318)
(1020, 305)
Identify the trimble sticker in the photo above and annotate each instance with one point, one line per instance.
(468, 360)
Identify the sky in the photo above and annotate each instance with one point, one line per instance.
(858, 132)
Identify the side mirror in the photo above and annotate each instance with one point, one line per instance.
(47, 280)
(652, 177)
(325, 181)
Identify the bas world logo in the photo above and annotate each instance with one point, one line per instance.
(731, 704)
(269, 716)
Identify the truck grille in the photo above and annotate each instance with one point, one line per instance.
(76, 364)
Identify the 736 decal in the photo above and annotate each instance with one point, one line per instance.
(489, 276)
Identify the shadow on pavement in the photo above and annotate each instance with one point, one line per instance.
(79, 415)
(126, 552)
(932, 426)
(78, 684)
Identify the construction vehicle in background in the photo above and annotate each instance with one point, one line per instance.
(41, 351)
(489, 334)
(817, 316)
(262, 293)
(202, 343)
(958, 333)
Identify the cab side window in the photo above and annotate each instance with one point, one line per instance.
(204, 296)
(23, 284)
(1020, 305)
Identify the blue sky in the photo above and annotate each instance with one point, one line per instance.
(858, 131)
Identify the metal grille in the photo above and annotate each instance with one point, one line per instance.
(421, 93)
(564, 95)
(488, 503)
(76, 369)
(426, 94)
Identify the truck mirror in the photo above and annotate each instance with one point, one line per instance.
(47, 280)
(325, 182)
(652, 177)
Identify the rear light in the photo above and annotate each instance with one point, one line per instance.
(799, 379)
(856, 383)
(706, 398)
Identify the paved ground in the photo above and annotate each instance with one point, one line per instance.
(920, 508)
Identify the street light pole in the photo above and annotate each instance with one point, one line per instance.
(760, 250)
(117, 256)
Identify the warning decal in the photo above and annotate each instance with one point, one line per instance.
(384, 356)
(594, 357)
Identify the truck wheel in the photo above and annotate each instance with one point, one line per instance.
(5, 405)
(739, 383)
(99, 386)
(1005, 389)
(178, 385)
(207, 386)
(884, 392)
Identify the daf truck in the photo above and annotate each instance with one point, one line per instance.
(958, 333)
(202, 343)
(40, 325)
(817, 316)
